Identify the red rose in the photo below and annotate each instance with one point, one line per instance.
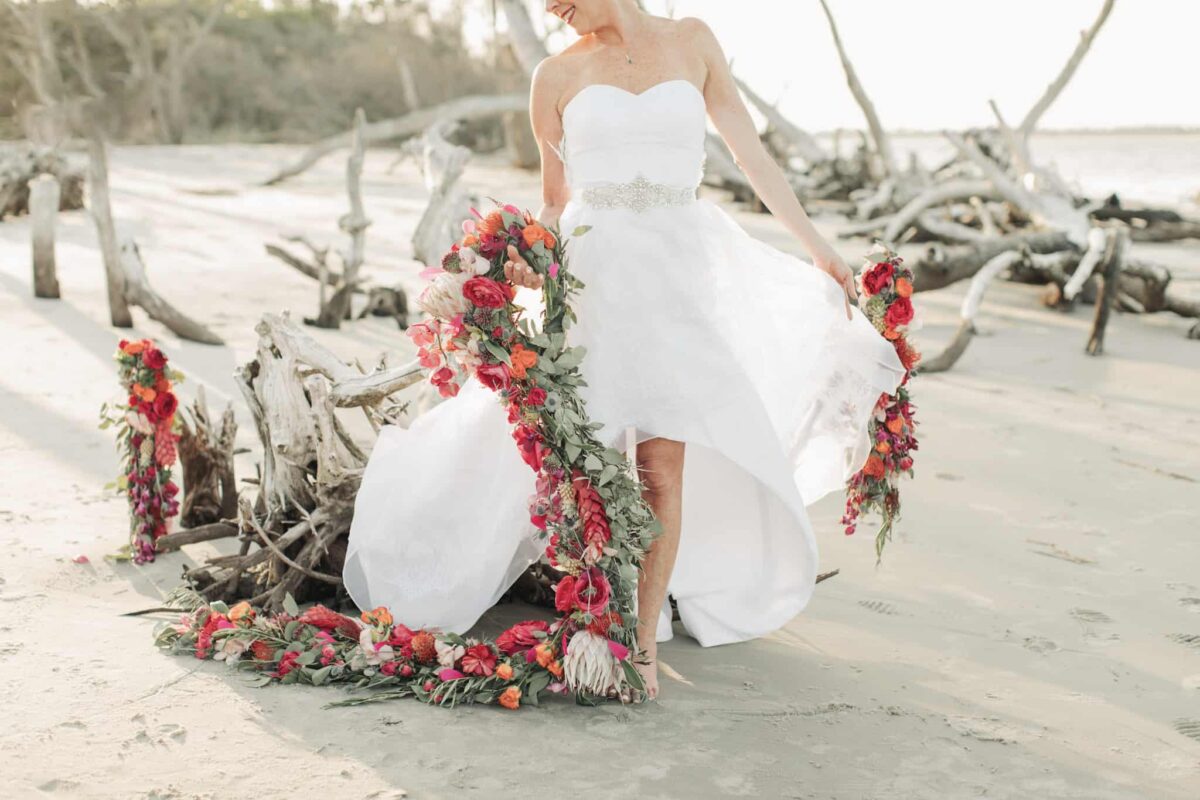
(153, 358)
(493, 376)
(876, 279)
(529, 443)
(325, 618)
(900, 312)
(479, 660)
(564, 595)
(536, 396)
(485, 292)
(521, 636)
(592, 591)
(165, 404)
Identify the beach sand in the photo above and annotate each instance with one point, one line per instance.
(1033, 630)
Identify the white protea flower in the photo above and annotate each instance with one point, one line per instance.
(139, 423)
(231, 650)
(590, 665)
(448, 655)
(443, 298)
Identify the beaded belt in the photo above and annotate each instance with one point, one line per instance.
(638, 194)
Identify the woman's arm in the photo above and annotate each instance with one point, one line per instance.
(733, 121)
(545, 89)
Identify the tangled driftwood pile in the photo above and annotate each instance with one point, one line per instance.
(293, 533)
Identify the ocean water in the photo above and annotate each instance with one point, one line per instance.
(1142, 168)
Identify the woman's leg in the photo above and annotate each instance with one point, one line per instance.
(660, 465)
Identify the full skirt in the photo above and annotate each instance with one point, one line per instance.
(694, 331)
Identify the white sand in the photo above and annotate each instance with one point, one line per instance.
(1026, 635)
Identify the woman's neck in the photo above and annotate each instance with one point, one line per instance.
(624, 27)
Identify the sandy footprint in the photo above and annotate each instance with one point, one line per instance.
(1190, 603)
(879, 607)
(1040, 644)
(1189, 728)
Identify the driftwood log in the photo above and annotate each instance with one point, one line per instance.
(338, 272)
(206, 450)
(354, 224)
(44, 196)
(128, 284)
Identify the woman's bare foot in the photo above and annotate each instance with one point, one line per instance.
(646, 664)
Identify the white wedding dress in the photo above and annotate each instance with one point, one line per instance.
(695, 331)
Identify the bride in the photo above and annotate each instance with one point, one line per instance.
(741, 378)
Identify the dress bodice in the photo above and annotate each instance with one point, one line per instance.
(613, 135)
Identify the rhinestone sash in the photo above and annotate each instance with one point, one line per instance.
(638, 194)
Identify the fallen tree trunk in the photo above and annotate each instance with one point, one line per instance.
(411, 124)
(941, 265)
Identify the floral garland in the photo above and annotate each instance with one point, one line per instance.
(587, 506)
(886, 285)
(145, 432)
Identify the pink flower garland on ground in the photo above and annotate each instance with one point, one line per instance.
(587, 507)
(146, 432)
(886, 288)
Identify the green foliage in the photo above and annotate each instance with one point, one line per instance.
(290, 72)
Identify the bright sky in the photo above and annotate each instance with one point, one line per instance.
(935, 63)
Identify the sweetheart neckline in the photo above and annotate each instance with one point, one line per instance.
(625, 91)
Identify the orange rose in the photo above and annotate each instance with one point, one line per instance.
(545, 655)
(522, 360)
(903, 287)
(511, 698)
(883, 447)
(895, 424)
(555, 668)
(874, 467)
(133, 348)
(144, 392)
(241, 611)
(536, 233)
(377, 616)
(504, 672)
(469, 240)
(891, 333)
